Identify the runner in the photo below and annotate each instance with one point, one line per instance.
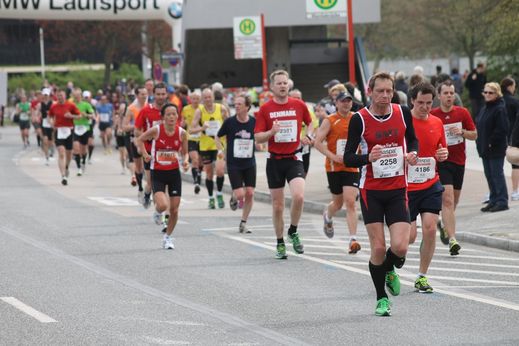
(458, 126)
(106, 112)
(207, 120)
(87, 96)
(279, 122)
(424, 187)
(63, 113)
(136, 164)
(47, 130)
(81, 130)
(168, 139)
(343, 181)
(241, 163)
(35, 116)
(385, 132)
(23, 110)
(120, 134)
(188, 113)
(148, 117)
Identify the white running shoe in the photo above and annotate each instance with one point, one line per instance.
(515, 196)
(140, 197)
(167, 243)
(157, 218)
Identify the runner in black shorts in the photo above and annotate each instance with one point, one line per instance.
(47, 129)
(193, 144)
(241, 163)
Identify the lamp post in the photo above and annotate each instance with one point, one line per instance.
(42, 54)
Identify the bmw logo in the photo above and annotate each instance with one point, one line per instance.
(175, 10)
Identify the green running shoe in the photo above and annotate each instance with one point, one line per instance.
(281, 251)
(383, 307)
(444, 237)
(393, 282)
(296, 243)
(454, 247)
(221, 203)
(422, 285)
(211, 203)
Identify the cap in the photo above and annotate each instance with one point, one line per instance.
(87, 93)
(331, 83)
(170, 89)
(45, 91)
(343, 95)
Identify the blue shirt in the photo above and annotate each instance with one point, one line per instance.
(105, 112)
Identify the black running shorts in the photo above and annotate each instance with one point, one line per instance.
(281, 170)
(160, 180)
(377, 205)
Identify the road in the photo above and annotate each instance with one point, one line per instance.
(83, 265)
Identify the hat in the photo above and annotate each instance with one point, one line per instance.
(331, 83)
(343, 95)
(170, 89)
(87, 93)
(45, 91)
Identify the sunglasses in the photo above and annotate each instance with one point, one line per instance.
(489, 92)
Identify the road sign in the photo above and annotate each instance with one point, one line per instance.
(247, 38)
(323, 8)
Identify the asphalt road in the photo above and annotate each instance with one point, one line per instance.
(83, 265)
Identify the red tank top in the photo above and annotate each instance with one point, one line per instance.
(164, 149)
(388, 172)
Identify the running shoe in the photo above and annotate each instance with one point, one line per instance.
(444, 237)
(157, 217)
(354, 247)
(64, 181)
(167, 243)
(79, 172)
(243, 228)
(393, 283)
(221, 203)
(197, 189)
(296, 243)
(422, 285)
(454, 247)
(281, 251)
(328, 226)
(211, 203)
(46, 161)
(140, 197)
(147, 201)
(133, 182)
(233, 203)
(383, 307)
(514, 196)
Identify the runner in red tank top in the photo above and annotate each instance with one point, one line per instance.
(168, 146)
(425, 190)
(387, 140)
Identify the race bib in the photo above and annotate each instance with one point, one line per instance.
(64, 132)
(80, 130)
(424, 170)
(212, 128)
(45, 123)
(243, 148)
(341, 145)
(104, 117)
(287, 132)
(166, 157)
(391, 164)
(195, 135)
(24, 116)
(452, 139)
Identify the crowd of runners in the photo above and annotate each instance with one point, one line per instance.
(396, 162)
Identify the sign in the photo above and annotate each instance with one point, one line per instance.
(325, 8)
(247, 38)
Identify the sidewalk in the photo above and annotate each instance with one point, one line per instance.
(498, 230)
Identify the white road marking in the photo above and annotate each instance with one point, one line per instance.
(115, 201)
(451, 292)
(40, 316)
(160, 341)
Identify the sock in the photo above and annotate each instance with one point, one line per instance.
(292, 229)
(199, 177)
(90, 150)
(352, 238)
(219, 183)
(328, 219)
(378, 275)
(83, 159)
(77, 159)
(138, 176)
(420, 275)
(38, 139)
(194, 173)
(147, 195)
(281, 241)
(243, 221)
(393, 261)
(209, 184)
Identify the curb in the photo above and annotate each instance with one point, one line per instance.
(486, 240)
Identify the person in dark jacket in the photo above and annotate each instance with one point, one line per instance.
(492, 126)
(475, 82)
(512, 110)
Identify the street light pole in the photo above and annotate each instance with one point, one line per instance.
(351, 44)
(42, 54)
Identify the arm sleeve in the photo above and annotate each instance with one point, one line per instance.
(223, 129)
(351, 158)
(410, 136)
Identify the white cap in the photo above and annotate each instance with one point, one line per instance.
(45, 91)
(87, 93)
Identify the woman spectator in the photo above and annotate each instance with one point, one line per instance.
(492, 126)
(512, 110)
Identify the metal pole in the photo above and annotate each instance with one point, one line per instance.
(264, 55)
(42, 55)
(351, 45)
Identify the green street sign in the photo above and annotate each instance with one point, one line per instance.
(247, 26)
(325, 4)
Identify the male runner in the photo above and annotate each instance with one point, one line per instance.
(47, 130)
(81, 130)
(188, 113)
(105, 110)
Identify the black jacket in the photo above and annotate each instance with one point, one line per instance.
(512, 109)
(475, 82)
(492, 126)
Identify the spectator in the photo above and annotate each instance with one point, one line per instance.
(457, 81)
(512, 109)
(400, 83)
(328, 101)
(475, 82)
